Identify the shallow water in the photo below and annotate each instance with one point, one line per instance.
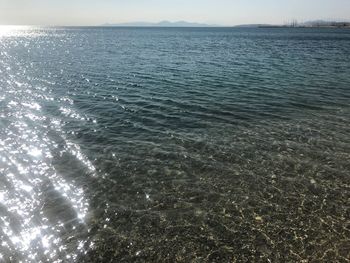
(163, 145)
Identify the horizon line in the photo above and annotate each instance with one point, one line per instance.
(191, 24)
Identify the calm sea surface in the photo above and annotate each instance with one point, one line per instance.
(164, 145)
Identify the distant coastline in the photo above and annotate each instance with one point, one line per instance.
(292, 24)
(309, 24)
(338, 25)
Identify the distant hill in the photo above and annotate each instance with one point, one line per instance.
(315, 23)
(160, 24)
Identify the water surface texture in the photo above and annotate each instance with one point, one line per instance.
(174, 145)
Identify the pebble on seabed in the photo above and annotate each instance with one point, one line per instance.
(259, 219)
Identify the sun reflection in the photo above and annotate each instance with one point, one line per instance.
(38, 203)
(9, 31)
(35, 152)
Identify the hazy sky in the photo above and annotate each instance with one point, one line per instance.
(224, 12)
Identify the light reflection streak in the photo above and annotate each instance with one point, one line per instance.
(14, 31)
(28, 230)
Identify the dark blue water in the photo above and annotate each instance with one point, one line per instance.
(164, 145)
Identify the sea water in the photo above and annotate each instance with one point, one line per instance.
(174, 144)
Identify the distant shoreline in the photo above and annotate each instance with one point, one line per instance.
(177, 24)
(346, 26)
(272, 26)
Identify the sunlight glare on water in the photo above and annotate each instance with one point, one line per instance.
(39, 208)
(13, 31)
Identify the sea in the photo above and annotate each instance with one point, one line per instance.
(174, 144)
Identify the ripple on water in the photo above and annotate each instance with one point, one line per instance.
(208, 145)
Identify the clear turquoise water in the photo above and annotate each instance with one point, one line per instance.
(164, 145)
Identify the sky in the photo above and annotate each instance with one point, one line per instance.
(220, 12)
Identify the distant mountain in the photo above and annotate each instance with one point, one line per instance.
(160, 24)
(315, 23)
